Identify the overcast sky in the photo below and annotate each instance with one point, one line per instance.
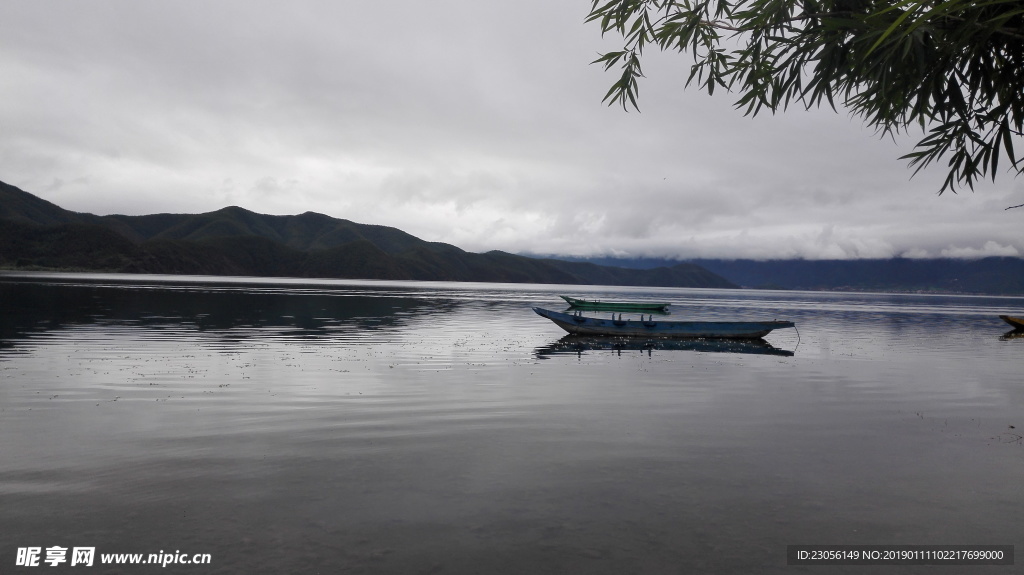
(470, 122)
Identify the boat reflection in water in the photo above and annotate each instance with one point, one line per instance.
(578, 344)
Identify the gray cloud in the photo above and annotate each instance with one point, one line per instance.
(473, 123)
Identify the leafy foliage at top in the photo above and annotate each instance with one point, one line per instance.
(953, 67)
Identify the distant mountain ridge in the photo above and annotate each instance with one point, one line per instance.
(37, 234)
(992, 275)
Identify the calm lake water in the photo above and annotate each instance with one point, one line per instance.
(298, 426)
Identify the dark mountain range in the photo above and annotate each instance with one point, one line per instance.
(993, 275)
(36, 234)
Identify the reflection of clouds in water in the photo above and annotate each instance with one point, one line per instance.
(346, 419)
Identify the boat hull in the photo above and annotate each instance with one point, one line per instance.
(582, 325)
(616, 306)
(1016, 322)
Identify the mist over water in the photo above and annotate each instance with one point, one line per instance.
(414, 427)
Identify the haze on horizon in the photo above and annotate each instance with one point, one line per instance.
(476, 124)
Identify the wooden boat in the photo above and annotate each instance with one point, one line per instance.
(583, 325)
(1016, 322)
(617, 306)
